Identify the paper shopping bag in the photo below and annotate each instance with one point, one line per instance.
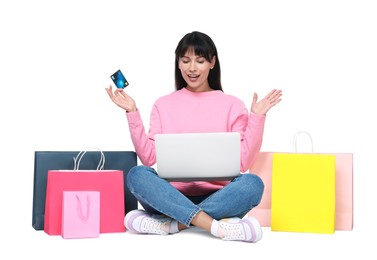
(81, 214)
(303, 193)
(262, 167)
(61, 160)
(344, 189)
(108, 182)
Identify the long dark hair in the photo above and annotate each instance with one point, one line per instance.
(203, 46)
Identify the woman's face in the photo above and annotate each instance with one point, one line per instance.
(195, 70)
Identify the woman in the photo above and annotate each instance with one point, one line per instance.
(198, 105)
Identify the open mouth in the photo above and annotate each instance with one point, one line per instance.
(193, 77)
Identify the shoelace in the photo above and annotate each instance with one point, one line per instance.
(155, 226)
(232, 231)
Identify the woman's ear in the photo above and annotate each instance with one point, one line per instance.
(213, 62)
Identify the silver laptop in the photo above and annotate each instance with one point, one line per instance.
(198, 156)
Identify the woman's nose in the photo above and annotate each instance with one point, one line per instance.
(192, 66)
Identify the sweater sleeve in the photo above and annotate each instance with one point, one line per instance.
(144, 145)
(251, 127)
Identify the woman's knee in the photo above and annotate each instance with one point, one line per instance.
(255, 187)
(137, 173)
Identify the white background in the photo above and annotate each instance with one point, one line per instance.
(55, 61)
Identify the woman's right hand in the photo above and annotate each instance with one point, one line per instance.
(121, 99)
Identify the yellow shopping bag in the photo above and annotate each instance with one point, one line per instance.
(303, 192)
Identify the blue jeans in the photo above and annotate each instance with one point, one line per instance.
(158, 196)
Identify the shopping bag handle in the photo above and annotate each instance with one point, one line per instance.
(79, 156)
(296, 137)
(79, 208)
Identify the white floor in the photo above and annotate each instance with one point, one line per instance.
(189, 244)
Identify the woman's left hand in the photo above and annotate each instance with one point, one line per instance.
(263, 106)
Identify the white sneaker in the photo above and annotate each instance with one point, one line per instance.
(247, 229)
(139, 221)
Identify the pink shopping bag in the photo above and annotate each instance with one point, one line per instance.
(344, 189)
(81, 214)
(108, 182)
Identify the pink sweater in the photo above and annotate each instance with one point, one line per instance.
(184, 111)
